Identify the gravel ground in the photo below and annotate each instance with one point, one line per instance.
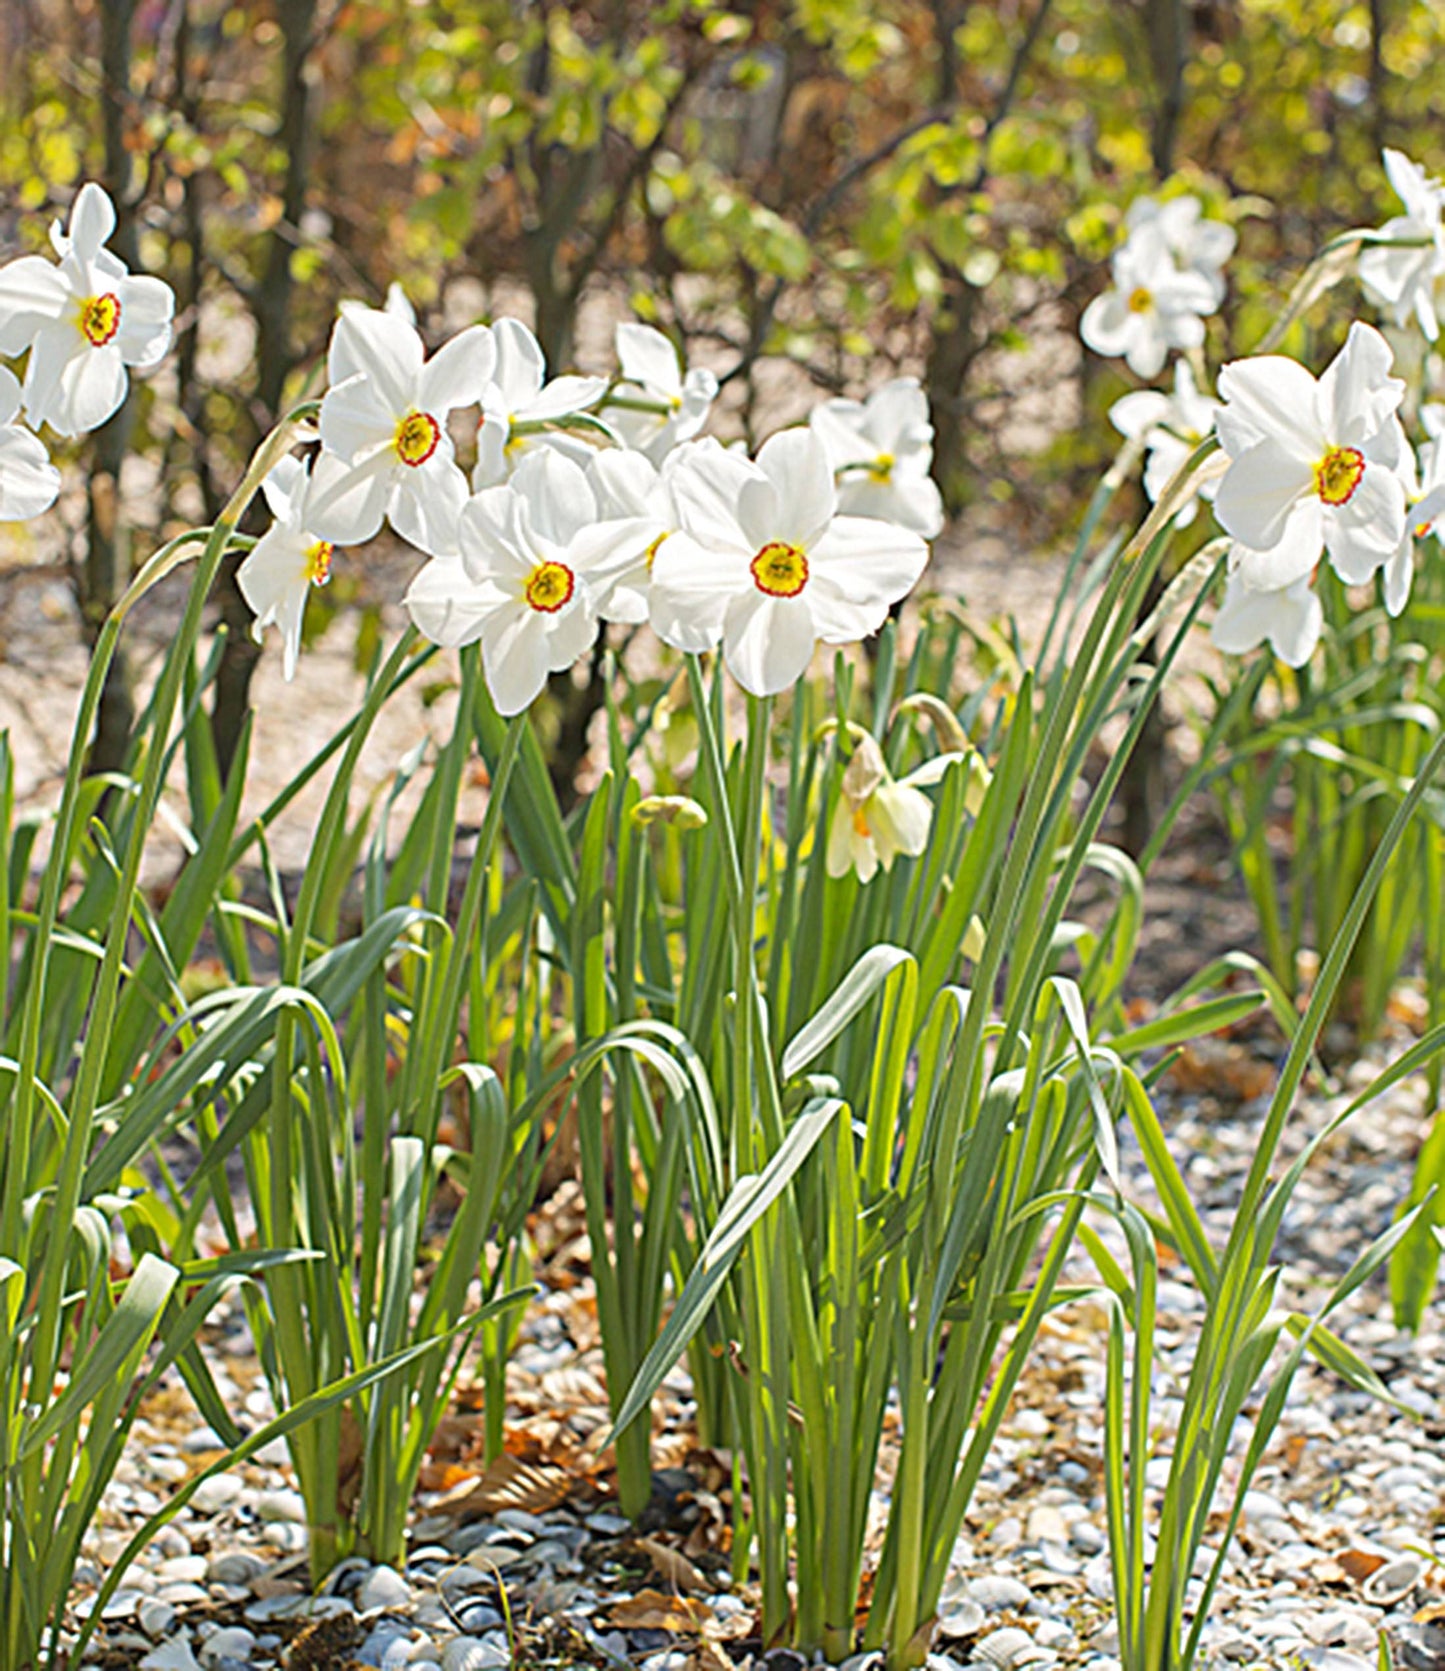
(1343, 1533)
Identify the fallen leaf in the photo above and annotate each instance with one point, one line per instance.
(1360, 1563)
(509, 1483)
(652, 1610)
(671, 1565)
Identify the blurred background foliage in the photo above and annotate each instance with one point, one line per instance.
(801, 191)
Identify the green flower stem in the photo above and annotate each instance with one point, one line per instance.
(50, 1311)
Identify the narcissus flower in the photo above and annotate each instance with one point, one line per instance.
(877, 816)
(1314, 466)
(1289, 617)
(519, 393)
(1154, 306)
(630, 491)
(286, 562)
(517, 583)
(386, 451)
(1197, 245)
(652, 369)
(1400, 278)
(881, 451)
(765, 563)
(29, 482)
(1171, 427)
(84, 319)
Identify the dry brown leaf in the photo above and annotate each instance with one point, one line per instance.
(652, 1610)
(707, 1656)
(671, 1565)
(509, 1483)
(1360, 1563)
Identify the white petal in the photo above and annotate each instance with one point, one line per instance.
(29, 482)
(448, 605)
(691, 589)
(911, 501)
(1293, 557)
(624, 482)
(92, 220)
(458, 373)
(493, 466)
(839, 425)
(1107, 325)
(521, 366)
(557, 495)
(1356, 392)
(274, 581)
(1258, 491)
(900, 816)
(1269, 395)
(33, 293)
(496, 539)
(572, 631)
(1399, 572)
(280, 487)
(1151, 341)
(356, 419)
(1135, 413)
(515, 656)
(648, 358)
(1290, 618)
(426, 504)
(803, 498)
(385, 348)
(767, 642)
(707, 482)
(867, 562)
(897, 416)
(347, 502)
(562, 397)
(146, 307)
(9, 395)
(70, 385)
(1365, 532)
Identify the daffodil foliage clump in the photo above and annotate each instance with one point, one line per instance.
(805, 970)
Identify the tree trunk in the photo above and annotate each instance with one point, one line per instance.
(271, 303)
(105, 570)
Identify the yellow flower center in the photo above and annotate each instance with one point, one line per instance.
(881, 469)
(1338, 474)
(318, 562)
(549, 586)
(1140, 300)
(417, 437)
(860, 823)
(99, 319)
(650, 555)
(780, 569)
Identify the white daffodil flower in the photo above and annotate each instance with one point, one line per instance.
(1152, 308)
(85, 319)
(1288, 617)
(636, 504)
(881, 451)
(386, 452)
(1196, 244)
(765, 562)
(1171, 427)
(877, 816)
(29, 482)
(1402, 279)
(519, 392)
(652, 369)
(517, 582)
(1314, 465)
(286, 562)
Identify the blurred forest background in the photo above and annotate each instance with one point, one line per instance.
(803, 192)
